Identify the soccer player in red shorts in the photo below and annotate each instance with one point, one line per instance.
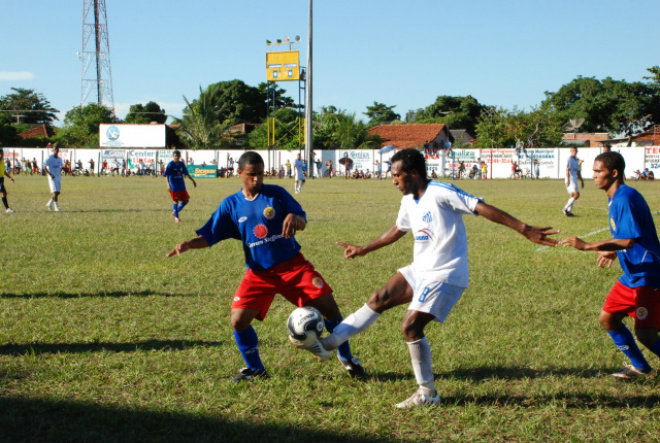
(176, 172)
(265, 219)
(635, 243)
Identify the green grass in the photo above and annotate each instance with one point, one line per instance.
(104, 339)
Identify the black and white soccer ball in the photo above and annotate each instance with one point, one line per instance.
(305, 325)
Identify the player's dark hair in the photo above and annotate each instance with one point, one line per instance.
(411, 160)
(250, 158)
(613, 161)
(177, 152)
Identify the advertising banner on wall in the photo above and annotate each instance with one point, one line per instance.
(131, 136)
(206, 171)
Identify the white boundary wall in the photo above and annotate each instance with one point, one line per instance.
(552, 160)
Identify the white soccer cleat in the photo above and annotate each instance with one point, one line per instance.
(629, 372)
(419, 398)
(57, 208)
(315, 347)
(9, 211)
(49, 206)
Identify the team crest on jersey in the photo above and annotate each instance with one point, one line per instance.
(269, 213)
(318, 282)
(613, 224)
(642, 313)
(260, 231)
(427, 217)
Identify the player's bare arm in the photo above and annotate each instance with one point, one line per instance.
(192, 180)
(48, 172)
(9, 176)
(610, 245)
(195, 243)
(531, 233)
(388, 237)
(291, 224)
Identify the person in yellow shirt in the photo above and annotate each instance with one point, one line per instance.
(484, 170)
(3, 189)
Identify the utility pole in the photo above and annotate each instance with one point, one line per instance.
(309, 127)
(96, 52)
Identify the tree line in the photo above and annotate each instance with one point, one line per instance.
(617, 107)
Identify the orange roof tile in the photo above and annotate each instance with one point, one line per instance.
(652, 135)
(408, 135)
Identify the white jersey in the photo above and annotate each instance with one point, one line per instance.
(54, 165)
(573, 166)
(298, 167)
(436, 221)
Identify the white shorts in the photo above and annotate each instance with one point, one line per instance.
(430, 296)
(55, 183)
(572, 187)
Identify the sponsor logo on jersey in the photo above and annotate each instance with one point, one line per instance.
(642, 313)
(318, 282)
(424, 235)
(269, 213)
(242, 219)
(427, 217)
(260, 231)
(237, 298)
(613, 224)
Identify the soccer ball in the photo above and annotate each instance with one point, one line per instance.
(305, 326)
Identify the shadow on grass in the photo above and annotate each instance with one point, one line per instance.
(79, 348)
(116, 294)
(574, 401)
(56, 420)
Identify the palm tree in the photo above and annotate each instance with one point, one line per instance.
(200, 127)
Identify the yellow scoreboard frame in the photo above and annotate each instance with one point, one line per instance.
(282, 66)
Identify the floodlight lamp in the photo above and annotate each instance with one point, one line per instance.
(297, 38)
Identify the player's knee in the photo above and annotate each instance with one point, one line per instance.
(608, 322)
(240, 322)
(411, 330)
(378, 300)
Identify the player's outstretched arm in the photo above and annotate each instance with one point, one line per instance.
(531, 233)
(195, 243)
(388, 237)
(610, 245)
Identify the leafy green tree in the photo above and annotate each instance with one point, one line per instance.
(7, 130)
(151, 112)
(28, 106)
(455, 112)
(500, 128)
(288, 132)
(81, 126)
(200, 126)
(380, 114)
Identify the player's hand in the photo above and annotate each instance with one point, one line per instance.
(194, 184)
(179, 249)
(566, 183)
(582, 184)
(575, 242)
(540, 235)
(352, 251)
(290, 226)
(606, 258)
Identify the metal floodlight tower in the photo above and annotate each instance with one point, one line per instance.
(96, 55)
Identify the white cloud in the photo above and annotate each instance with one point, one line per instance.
(19, 75)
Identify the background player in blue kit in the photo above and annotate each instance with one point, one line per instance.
(176, 172)
(265, 219)
(635, 243)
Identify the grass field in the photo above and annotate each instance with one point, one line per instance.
(104, 339)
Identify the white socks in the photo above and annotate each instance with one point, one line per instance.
(352, 325)
(420, 355)
(569, 205)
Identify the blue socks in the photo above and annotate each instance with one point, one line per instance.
(247, 342)
(625, 341)
(344, 350)
(175, 209)
(181, 205)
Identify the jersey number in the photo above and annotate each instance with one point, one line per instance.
(425, 293)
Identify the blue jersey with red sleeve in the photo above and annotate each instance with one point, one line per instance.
(631, 218)
(175, 173)
(257, 224)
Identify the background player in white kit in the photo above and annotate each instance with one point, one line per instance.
(299, 173)
(53, 167)
(436, 279)
(573, 174)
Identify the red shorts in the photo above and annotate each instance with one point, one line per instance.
(295, 279)
(180, 196)
(642, 303)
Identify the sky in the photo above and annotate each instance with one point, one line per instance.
(505, 53)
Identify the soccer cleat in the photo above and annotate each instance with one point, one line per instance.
(10, 211)
(57, 208)
(49, 206)
(353, 367)
(419, 398)
(247, 374)
(177, 219)
(629, 372)
(315, 347)
(565, 212)
(569, 214)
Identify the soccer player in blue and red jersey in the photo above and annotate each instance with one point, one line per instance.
(635, 242)
(265, 219)
(176, 172)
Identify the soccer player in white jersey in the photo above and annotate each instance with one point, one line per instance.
(53, 167)
(573, 174)
(299, 173)
(436, 279)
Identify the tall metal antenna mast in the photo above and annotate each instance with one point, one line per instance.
(96, 52)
